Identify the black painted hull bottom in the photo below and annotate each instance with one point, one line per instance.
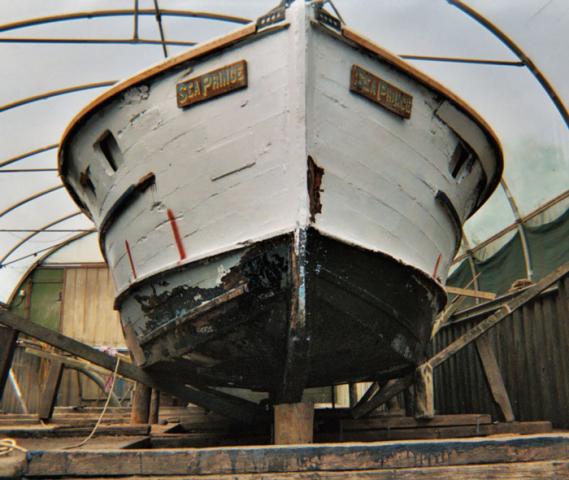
(367, 317)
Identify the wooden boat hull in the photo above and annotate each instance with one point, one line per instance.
(280, 207)
(367, 315)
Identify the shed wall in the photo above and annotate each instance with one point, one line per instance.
(532, 349)
(78, 302)
(88, 314)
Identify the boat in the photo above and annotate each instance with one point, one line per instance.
(279, 207)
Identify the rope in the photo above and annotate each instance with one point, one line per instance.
(9, 444)
(90, 436)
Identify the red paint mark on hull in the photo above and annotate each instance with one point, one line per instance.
(129, 254)
(437, 265)
(177, 236)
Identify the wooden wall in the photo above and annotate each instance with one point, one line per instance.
(78, 302)
(532, 349)
(87, 311)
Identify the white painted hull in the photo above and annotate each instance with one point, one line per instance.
(233, 170)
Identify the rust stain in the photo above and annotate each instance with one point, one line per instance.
(315, 174)
(176, 232)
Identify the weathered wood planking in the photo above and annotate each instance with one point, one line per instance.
(494, 377)
(88, 314)
(294, 423)
(301, 459)
(60, 431)
(50, 391)
(463, 431)
(371, 423)
(518, 471)
(532, 340)
(514, 304)
(140, 412)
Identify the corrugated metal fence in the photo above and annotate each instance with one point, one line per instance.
(532, 349)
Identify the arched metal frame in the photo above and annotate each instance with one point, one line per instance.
(53, 249)
(87, 15)
(55, 93)
(43, 229)
(32, 197)
(521, 228)
(98, 41)
(37, 252)
(524, 60)
(135, 13)
(157, 12)
(31, 153)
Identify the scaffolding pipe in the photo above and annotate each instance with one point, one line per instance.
(55, 93)
(36, 232)
(87, 15)
(29, 199)
(31, 153)
(516, 49)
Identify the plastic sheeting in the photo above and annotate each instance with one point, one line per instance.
(547, 248)
(534, 136)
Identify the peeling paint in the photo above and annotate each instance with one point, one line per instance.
(135, 95)
(314, 178)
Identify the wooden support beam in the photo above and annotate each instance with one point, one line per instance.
(89, 370)
(8, 338)
(424, 392)
(50, 391)
(467, 292)
(227, 405)
(494, 377)
(409, 396)
(353, 391)
(359, 460)
(140, 410)
(493, 320)
(388, 391)
(393, 423)
(154, 414)
(370, 392)
(294, 423)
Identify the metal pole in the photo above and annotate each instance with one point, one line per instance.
(506, 40)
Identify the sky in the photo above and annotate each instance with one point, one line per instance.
(534, 137)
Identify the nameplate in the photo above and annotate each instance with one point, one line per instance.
(381, 92)
(212, 84)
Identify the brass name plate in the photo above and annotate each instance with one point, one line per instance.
(381, 92)
(212, 84)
